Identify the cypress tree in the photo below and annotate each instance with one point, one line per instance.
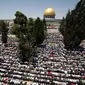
(38, 31)
(73, 26)
(4, 31)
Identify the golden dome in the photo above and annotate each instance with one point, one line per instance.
(49, 11)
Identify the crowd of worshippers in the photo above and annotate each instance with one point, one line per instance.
(53, 65)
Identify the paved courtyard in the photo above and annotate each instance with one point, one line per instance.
(53, 66)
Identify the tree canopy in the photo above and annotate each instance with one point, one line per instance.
(4, 31)
(73, 26)
(30, 34)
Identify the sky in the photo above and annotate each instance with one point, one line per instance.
(35, 8)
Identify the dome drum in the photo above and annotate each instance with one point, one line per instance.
(49, 16)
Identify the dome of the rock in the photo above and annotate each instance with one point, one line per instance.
(49, 12)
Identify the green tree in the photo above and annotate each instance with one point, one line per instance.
(30, 25)
(62, 26)
(4, 31)
(23, 30)
(73, 26)
(38, 31)
(20, 19)
(45, 26)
